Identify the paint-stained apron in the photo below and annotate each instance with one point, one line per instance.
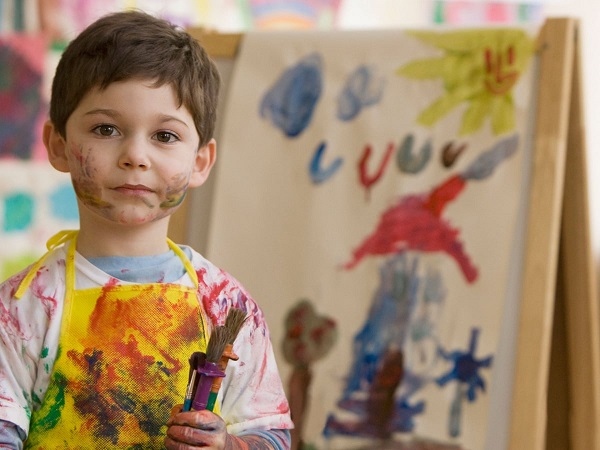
(122, 363)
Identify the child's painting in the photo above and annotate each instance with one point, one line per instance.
(36, 201)
(22, 96)
(369, 195)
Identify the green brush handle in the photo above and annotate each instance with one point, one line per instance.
(212, 400)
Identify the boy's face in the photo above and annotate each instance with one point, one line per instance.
(131, 151)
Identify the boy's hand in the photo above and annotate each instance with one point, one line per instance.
(192, 429)
(195, 429)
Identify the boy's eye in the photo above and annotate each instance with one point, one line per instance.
(165, 136)
(105, 130)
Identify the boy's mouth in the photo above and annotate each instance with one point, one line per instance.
(133, 189)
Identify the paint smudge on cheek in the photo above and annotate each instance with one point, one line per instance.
(176, 192)
(82, 175)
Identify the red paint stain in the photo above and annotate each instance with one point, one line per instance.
(415, 223)
(500, 74)
(369, 180)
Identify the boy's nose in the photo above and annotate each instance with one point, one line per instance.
(134, 155)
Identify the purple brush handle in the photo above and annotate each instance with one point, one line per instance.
(208, 372)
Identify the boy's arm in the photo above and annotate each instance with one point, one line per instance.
(11, 436)
(261, 439)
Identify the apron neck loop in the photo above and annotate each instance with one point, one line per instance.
(186, 262)
(59, 238)
(71, 235)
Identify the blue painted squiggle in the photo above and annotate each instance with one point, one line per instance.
(407, 161)
(362, 89)
(290, 103)
(319, 174)
(487, 162)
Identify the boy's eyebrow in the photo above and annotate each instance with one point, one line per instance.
(112, 113)
(107, 112)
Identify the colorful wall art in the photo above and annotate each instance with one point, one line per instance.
(370, 193)
(36, 201)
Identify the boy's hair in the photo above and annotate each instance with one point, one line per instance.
(133, 44)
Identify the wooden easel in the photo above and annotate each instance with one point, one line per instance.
(559, 287)
(556, 387)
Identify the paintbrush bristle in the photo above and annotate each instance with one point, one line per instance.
(234, 321)
(216, 343)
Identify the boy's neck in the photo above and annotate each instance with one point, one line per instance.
(118, 240)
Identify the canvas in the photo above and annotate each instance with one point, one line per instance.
(370, 194)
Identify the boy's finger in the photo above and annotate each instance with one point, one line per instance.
(203, 420)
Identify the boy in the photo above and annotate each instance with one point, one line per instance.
(96, 335)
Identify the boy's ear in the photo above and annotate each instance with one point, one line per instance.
(55, 146)
(205, 159)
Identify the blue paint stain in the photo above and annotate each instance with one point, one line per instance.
(319, 174)
(407, 161)
(465, 370)
(63, 203)
(485, 164)
(466, 367)
(405, 417)
(388, 321)
(291, 101)
(362, 89)
(18, 212)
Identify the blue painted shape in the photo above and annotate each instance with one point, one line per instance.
(362, 88)
(487, 162)
(319, 174)
(465, 368)
(411, 163)
(63, 203)
(18, 211)
(291, 101)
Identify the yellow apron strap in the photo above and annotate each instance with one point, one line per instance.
(58, 239)
(206, 325)
(66, 235)
(186, 262)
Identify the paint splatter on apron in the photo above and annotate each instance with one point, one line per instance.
(122, 363)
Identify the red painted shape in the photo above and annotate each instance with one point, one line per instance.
(415, 223)
(368, 180)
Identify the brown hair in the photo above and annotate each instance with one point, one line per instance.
(133, 44)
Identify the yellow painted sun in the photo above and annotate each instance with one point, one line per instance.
(479, 67)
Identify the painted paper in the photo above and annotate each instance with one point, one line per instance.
(22, 96)
(369, 194)
(36, 201)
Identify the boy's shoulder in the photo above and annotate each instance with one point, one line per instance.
(46, 278)
(221, 291)
(210, 273)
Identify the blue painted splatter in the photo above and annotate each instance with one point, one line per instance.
(407, 161)
(63, 203)
(319, 174)
(485, 164)
(465, 370)
(18, 211)
(362, 88)
(290, 103)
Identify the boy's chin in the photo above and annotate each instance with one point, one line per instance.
(134, 218)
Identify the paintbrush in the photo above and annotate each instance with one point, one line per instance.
(210, 369)
(233, 324)
(196, 360)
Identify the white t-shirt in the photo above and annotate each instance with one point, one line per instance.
(251, 395)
